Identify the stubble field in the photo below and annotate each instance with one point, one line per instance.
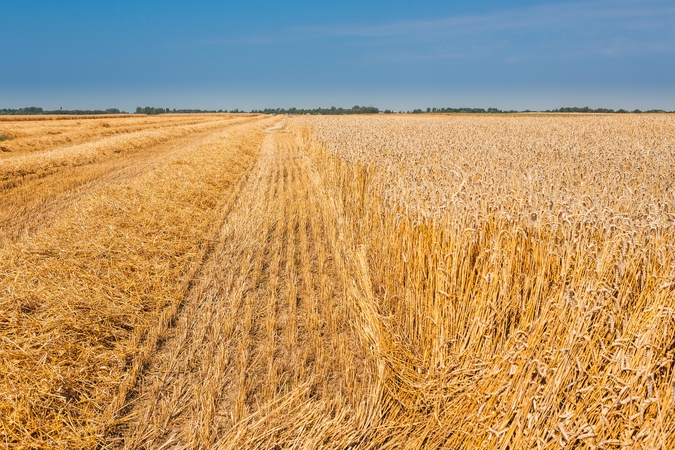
(242, 281)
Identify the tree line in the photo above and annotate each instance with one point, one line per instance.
(332, 111)
(36, 111)
(574, 109)
(151, 110)
(463, 110)
(586, 109)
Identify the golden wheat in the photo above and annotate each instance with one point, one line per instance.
(522, 271)
(340, 282)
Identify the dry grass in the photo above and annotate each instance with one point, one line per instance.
(37, 134)
(85, 300)
(35, 184)
(352, 282)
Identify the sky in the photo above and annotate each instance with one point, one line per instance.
(393, 54)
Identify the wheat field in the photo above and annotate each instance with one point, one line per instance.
(421, 282)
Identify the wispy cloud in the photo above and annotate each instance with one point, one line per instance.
(536, 17)
(559, 30)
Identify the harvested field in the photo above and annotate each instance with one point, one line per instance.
(338, 282)
(47, 172)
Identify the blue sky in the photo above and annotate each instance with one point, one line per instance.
(391, 54)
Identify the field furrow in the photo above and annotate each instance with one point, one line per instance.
(321, 358)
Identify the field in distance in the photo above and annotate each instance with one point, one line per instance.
(251, 281)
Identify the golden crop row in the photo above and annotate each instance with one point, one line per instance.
(523, 271)
(39, 134)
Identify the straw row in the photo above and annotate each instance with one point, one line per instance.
(86, 299)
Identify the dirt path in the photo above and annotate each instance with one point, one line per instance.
(267, 320)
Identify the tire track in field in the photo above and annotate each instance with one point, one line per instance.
(265, 322)
(34, 200)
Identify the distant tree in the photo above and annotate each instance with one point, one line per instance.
(149, 110)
